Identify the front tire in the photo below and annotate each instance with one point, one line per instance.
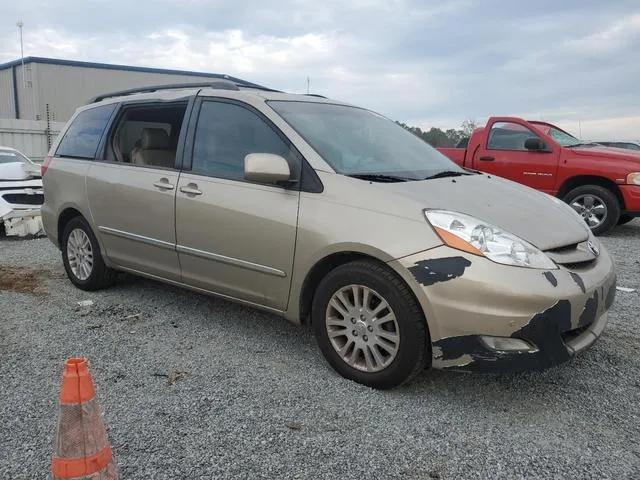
(82, 258)
(625, 218)
(597, 205)
(369, 326)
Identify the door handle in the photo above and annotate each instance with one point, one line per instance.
(487, 158)
(163, 184)
(191, 189)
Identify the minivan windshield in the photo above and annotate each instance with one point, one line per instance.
(359, 143)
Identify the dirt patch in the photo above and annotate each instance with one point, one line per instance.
(21, 279)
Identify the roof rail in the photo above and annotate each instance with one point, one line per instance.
(314, 95)
(220, 84)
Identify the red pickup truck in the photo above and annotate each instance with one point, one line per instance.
(600, 183)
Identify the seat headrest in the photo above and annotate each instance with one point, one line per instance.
(154, 139)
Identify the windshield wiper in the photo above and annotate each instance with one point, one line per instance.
(590, 144)
(378, 177)
(445, 174)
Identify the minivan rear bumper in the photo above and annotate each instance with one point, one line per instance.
(467, 299)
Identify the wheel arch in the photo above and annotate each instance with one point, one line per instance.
(300, 311)
(318, 271)
(66, 215)
(64, 218)
(583, 180)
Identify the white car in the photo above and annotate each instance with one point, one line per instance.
(21, 194)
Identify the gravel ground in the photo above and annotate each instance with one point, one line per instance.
(199, 388)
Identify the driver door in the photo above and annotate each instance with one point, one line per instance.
(236, 237)
(505, 155)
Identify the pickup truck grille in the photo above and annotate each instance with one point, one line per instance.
(573, 257)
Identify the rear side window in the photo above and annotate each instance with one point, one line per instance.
(83, 135)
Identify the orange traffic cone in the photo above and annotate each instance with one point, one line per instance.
(81, 448)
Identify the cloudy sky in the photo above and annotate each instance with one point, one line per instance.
(426, 63)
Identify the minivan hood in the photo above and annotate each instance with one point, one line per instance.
(531, 215)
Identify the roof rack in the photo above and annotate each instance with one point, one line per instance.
(222, 84)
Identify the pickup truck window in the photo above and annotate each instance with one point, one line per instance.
(563, 138)
(358, 142)
(509, 136)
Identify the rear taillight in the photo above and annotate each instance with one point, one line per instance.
(45, 165)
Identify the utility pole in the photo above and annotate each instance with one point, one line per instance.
(308, 81)
(580, 128)
(20, 24)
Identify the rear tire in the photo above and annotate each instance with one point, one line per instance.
(624, 218)
(590, 201)
(388, 348)
(82, 258)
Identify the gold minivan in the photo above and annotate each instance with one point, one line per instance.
(317, 210)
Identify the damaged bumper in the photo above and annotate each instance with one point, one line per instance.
(20, 204)
(483, 316)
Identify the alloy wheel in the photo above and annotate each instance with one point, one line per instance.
(80, 254)
(591, 208)
(362, 328)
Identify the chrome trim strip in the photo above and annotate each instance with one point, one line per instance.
(138, 238)
(199, 290)
(231, 261)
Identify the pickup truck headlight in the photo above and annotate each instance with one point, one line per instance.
(633, 178)
(471, 235)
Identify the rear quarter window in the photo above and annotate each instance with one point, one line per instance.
(83, 135)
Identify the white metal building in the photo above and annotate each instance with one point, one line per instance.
(63, 85)
(36, 98)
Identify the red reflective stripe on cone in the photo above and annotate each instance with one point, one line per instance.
(80, 467)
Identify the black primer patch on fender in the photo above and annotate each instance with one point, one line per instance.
(588, 315)
(551, 277)
(611, 295)
(428, 272)
(578, 279)
(544, 330)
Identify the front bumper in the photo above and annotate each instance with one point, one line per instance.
(631, 196)
(464, 297)
(20, 208)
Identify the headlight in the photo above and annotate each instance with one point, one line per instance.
(471, 235)
(633, 178)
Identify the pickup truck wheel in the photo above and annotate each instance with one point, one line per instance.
(597, 205)
(369, 326)
(625, 219)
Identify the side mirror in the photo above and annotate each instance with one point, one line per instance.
(535, 144)
(266, 168)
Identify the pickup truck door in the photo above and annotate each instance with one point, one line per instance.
(502, 152)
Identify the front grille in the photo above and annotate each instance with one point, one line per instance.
(24, 199)
(565, 249)
(574, 256)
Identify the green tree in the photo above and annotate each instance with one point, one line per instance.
(435, 136)
(468, 126)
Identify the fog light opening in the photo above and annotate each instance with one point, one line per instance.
(508, 344)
